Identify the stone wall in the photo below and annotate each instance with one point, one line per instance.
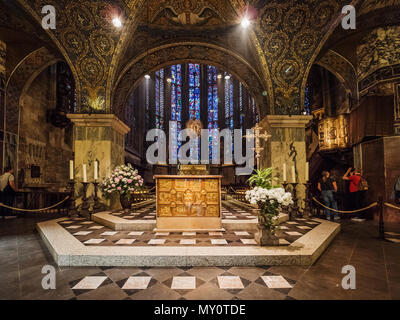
(40, 143)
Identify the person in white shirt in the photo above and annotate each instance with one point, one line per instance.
(7, 189)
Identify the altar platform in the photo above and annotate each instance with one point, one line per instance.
(81, 242)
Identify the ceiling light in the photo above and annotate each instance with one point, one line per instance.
(245, 22)
(147, 76)
(219, 76)
(169, 80)
(117, 22)
(227, 77)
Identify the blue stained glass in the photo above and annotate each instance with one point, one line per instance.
(307, 100)
(212, 107)
(176, 100)
(194, 91)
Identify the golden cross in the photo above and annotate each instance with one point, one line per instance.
(257, 137)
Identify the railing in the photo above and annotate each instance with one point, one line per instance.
(143, 196)
(239, 195)
(32, 200)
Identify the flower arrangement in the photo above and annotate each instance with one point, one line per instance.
(269, 201)
(124, 180)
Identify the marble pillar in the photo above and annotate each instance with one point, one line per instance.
(98, 137)
(286, 145)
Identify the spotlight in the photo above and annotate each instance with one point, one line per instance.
(227, 77)
(117, 22)
(245, 22)
(219, 76)
(169, 80)
(147, 76)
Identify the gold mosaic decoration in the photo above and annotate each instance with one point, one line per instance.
(188, 197)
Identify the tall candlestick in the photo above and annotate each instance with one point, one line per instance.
(293, 174)
(284, 172)
(307, 171)
(84, 173)
(71, 169)
(96, 170)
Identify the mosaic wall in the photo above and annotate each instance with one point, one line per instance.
(380, 48)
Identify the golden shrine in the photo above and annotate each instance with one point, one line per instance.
(188, 202)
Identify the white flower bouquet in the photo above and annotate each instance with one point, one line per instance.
(124, 180)
(269, 202)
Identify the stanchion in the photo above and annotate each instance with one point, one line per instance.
(97, 206)
(307, 212)
(381, 223)
(295, 206)
(72, 205)
(85, 203)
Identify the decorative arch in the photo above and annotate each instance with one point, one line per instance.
(188, 52)
(342, 69)
(21, 78)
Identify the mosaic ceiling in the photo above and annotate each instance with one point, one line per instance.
(283, 43)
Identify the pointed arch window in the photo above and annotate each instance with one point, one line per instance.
(159, 103)
(176, 101)
(212, 107)
(194, 91)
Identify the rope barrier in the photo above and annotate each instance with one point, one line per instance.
(391, 206)
(341, 211)
(34, 210)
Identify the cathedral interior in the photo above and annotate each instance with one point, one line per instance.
(314, 84)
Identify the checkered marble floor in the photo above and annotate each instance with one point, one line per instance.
(184, 283)
(230, 211)
(144, 213)
(92, 234)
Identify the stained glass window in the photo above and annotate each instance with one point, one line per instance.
(241, 111)
(212, 107)
(228, 88)
(194, 91)
(194, 96)
(159, 103)
(176, 101)
(147, 103)
(307, 100)
(229, 102)
(131, 121)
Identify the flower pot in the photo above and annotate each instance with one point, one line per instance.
(126, 202)
(264, 237)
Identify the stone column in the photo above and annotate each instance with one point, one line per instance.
(286, 131)
(98, 137)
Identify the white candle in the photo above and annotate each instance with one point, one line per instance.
(71, 169)
(307, 171)
(96, 170)
(84, 173)
(284, 173)
(293, 174)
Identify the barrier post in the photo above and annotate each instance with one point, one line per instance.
(72, 205)
(381, 223)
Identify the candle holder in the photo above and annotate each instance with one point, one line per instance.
(97, 206)
(72, 205)
(85, 203)
(307, 212)
(285, 185)
(295, 206)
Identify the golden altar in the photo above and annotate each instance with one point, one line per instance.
(188, 202)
